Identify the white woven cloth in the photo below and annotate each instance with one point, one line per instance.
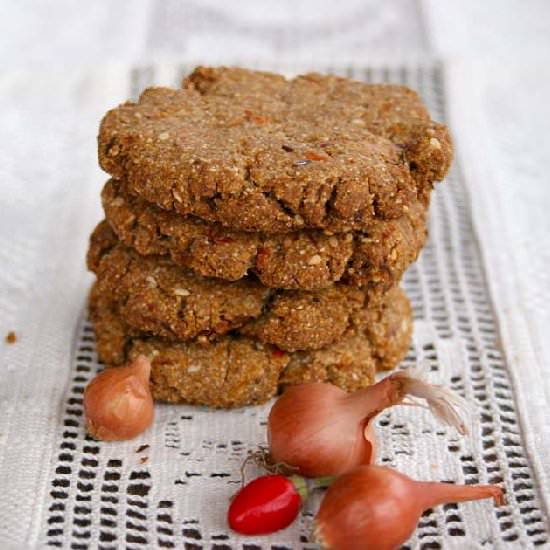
(479, 292)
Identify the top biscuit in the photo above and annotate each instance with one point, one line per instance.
(257, 152)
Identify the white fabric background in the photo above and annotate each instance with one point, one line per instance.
(54, 88)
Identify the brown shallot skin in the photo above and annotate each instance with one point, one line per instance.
(320, 430)
(379, 508)
(307, 450)
(118, 403)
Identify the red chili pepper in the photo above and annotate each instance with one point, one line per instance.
(266, 504)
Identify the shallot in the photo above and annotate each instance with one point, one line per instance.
(320, 430)
(377, 507)
(118, 403)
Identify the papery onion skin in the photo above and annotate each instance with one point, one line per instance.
(118, 403)
(377, 507)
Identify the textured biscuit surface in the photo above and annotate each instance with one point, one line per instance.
(234, 370)
(375, 257)
(256, 152)
(157, 297)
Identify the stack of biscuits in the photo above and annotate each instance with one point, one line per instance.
(256, 230)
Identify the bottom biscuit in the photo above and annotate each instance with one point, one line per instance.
(234, 370)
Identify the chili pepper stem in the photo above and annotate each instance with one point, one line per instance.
(305, 486)
(323, 482)
(301, 486)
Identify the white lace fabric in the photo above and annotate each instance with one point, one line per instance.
(170, 487)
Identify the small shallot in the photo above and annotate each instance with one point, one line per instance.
(118, 403)
(320, 430)
(377, 507)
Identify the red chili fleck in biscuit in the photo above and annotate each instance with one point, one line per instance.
(262, 256)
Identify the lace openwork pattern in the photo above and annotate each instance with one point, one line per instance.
(171, 487)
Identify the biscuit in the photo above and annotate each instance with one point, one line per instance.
(256, 152)
(234, 370)
(309, 259)
(156, 297)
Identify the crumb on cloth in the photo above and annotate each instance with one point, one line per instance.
(11, 337)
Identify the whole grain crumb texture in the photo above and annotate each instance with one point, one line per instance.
(374, 258)
(256, 152)
(234, 370)
(156, 297)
